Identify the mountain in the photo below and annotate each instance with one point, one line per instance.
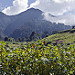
(38, 27)
(5, 20)
(23, 24)
(31, 15)
(1, 34)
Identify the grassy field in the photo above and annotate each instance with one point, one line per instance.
(54, 55)
(67, 37)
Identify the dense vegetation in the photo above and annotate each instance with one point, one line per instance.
(65, 37)
(52, 55)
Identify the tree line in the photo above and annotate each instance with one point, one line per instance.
(33, 37)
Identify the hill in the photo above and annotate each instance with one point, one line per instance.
(66, 37)
(49, 56)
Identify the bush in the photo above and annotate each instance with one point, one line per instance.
(37, 59)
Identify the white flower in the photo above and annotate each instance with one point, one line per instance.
(69, 52)
(36, 59)
(44, 59)
(22, 61)
(7, 58)
(12, 54)
(0, 65)
(8, 54)
(11, 51)
(7, 48)
(51, 74)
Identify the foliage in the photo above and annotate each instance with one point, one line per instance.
(37, 58)
(66, 36)
(6, 39)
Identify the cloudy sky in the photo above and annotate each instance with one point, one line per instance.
(63, 9)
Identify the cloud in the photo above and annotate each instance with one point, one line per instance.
(63, 9)
(37, 2)
(62, 1)
(17, 7)
(1, 7)
(55, 7)
(68, 19)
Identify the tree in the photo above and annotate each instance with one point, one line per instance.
(54, 32)
(11, 39)
(46, 35)
(73, 27)
(34, 36)
(6, 39)
(23, 39)
(18, 39)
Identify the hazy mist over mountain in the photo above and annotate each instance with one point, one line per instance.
(63, 9)
(23, 24)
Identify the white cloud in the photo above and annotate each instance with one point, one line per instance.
(17, 7)
(55, 7)
(35, 3)
(62, 8)
(62, 1)
(68, 19)
(1, 7)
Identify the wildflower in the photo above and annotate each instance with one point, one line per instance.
(36, 59)
(44, 59)
(0, 44)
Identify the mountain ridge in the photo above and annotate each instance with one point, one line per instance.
(29, 21)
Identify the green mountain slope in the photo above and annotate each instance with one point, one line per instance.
(66, 37)
(40, 57)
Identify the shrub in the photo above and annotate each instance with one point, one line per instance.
(37, 59)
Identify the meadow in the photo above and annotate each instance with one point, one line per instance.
(54, 55)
